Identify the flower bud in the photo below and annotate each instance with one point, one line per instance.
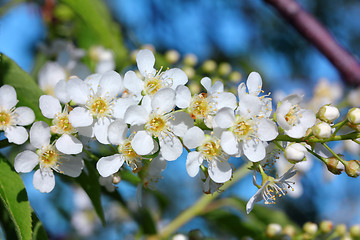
(273, 230)
(326, 226)
(209, 66)
(341, 230)
(189, 71)
(333, 165)
(172, 56)
(328, 113)
(289, 230)
(180, 236)
(224, 68)
(235, 76)
(310, 228)
(116, 179)
(322, 130)
(190, 59)
(356, 127)
(352, 168)
(354, 115)
(295, 152)
(355, 231)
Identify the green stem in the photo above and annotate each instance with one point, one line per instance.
(334, 154)
(4, 143)
(91, 155)
(358, 142)
(201, 204)
(338, 126)
(349, 136)
(316, 155)
(279, 146)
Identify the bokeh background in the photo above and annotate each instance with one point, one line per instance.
(250, 36)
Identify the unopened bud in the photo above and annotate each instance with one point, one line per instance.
(180, 236)
(295, 152)
(209, 66)
(352, 168)
(194, 87)
(190, 59)
(172, 56)
(224, 68)
(189, 71)
(328, 113)
(326, 226)
(356, 127)
(273, 230)
(289, 230)
(341, 230)
(322, 130)
(355, 231)
(310, 228)
(235, 76)
(116, 179)
(354, 115)
(334, 165)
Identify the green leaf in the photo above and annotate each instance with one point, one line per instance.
(14, 198)
(28, 92)
(39, 232)
(90, 183)
(146, 221)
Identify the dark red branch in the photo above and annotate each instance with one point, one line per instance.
(316, 33)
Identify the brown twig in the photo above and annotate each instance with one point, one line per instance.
(316, 33)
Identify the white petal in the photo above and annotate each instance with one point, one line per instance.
(267, 130)
(170, 148)
(26, 161)
(105, 66)
(297, 131)
(220, 172)
(50, 74)
(225, 99)
(133, 83)
(241, 90)
(193, 163)
(86, 131)
(163, 100)
(93, 81)
(229, 143)
(218, 87)
(80, 117)
(145, 60)
(254, 150)
(40, 134)
(293, 99)
(193, 137)
(146, 103)
(78, 90)
(206, 83)
(69, 144)
(16, 134)
(254, 83)
(8, 98)
(181, 122)
(72, 166)
(249, 105)
(121, 105)
(61, 92)
(256, 198)
(44, 181)
(135, 115)
(281, 112)
(308, 118)
(176, 76)
(225, 117)
(101, 130)
(109, 165)
(117, 132)
(142, 143)
(183, 96)
(110, 84)
(49, 106)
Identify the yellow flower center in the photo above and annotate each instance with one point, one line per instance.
(292, 116)
(152, 85)
(62, 125)
(128, 151)
(49, 157)
(157, 124)
(210, 149)
(242, 128)
(200, 107)
(5, 119)
(99, 107)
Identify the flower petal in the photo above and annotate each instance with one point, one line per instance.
(49, 106)
(254, 83)
(206, 83)
(8, 98)
(241, 91)
(44, 180)
(80, 117)
(109, 165)
(182, 97)
(176, 76)
(225, 117)
(78, 90)
(254, 150)
(40, 134)
(16, 134)
(220, 171)
(142, 143)
(145, 60)
(163, 100)
(93, 81)
(181, 122)
(101, 130)
(110, 84)
(133, 83)
(69, 144)
(225, 99)
(193, 137)
(256, 198)
(117, 132)
(26, 161)
(121, 105)
(229, 143)
(170, 148)
(61, 92)
(193, 163)
(72, 166)
(135, 115)
(249, 105)
(267, 130)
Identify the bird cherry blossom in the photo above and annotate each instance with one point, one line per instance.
(13, 119)
(47, 157)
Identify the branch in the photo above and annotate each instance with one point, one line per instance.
(316, 33)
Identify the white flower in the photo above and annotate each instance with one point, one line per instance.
(154, 119)
(248, 131)
(49, 75)
(271, 188)
(50, 107)
(292, 118)
(47, 157)
(104, 59)
(153, 80)
(13, 119)
(97, 99)
(204, 106)
(207, 148)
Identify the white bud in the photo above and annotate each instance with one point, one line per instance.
(273, 230)
(310, 228)
(172, 56)
(354, 115)
(322, 130)
(295, 152)
(328, 113)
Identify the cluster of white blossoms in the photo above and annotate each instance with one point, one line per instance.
(150, 117)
